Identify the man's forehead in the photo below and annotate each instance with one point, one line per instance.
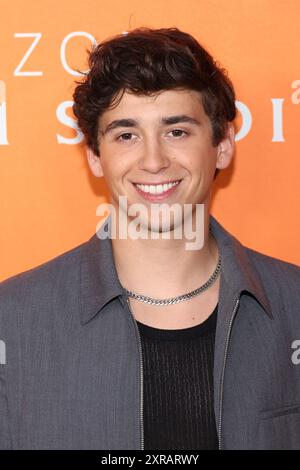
(177, 101)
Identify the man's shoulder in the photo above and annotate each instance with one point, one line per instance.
(266, 265)
(277, 275)
(272, 264)
(43, 276)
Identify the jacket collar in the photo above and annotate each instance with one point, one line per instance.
(238, 272)
(99, 283)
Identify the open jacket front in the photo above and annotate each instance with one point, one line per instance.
(71, 378)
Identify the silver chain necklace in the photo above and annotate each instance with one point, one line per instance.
(180, 298)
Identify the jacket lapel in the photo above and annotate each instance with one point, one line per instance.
(99, 282)
(237, 275)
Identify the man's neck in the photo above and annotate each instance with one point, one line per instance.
(164, 268)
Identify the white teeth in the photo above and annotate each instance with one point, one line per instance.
(157, 189)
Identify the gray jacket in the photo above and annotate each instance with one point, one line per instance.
(71, 364)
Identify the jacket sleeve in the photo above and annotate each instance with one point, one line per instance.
(5, 440)
(5, 436)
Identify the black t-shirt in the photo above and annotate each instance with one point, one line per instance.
(178, 405)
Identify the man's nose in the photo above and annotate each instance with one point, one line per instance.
(154, 156)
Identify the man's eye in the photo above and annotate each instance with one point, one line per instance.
(125, 136)
(178, 132)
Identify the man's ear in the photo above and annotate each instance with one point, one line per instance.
(94, 163)
(226, 148)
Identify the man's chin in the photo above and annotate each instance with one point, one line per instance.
(155, 227)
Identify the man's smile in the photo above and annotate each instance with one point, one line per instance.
(156, 191)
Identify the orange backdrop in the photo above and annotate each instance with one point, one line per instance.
(49, 197)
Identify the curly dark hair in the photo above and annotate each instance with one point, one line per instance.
(146, 61)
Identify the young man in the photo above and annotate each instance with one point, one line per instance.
(136, 342)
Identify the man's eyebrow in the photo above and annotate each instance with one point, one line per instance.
(119, 123)
(165, 121)
(180, 118)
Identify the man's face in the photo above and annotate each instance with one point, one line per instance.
(159, 149)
